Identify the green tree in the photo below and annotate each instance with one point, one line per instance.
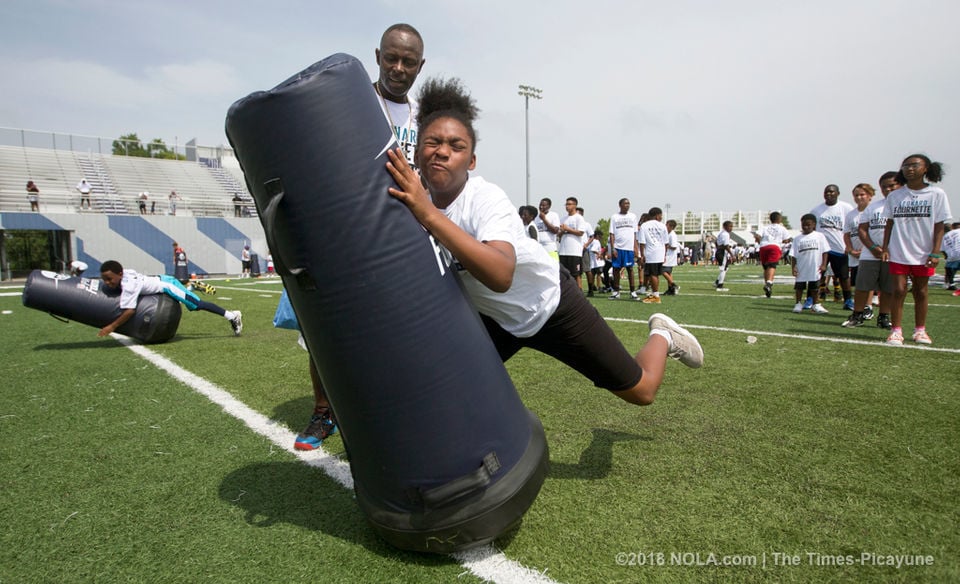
(130, 145)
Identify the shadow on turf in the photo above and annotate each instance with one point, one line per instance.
(596, 461)
(296, 494)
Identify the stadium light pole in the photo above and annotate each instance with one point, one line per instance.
(527, 92)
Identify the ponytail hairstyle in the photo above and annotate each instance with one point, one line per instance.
(934, 169)
(446, 98)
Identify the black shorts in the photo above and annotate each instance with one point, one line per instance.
(578, 336)
(840, 264)
(652, 269)
(572, 263)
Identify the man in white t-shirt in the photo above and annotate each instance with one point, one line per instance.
(548, 226)
(653, 237)
(571, 232)
(831, 216)
(399, 59)
(623, 245)
(84, 187)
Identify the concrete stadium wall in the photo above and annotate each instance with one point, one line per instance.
(145, 242)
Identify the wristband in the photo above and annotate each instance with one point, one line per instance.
(874, 246)
(934, 255)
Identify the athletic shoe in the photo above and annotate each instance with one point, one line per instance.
(883, 321)
(321, 426)
(895, 339)
(808, 303)
(798, 307)
(651, 300)
(868, 313)
(590, 294)
(203, 287)
(768, 290)
(237, 323)
(720, 288)
(922, 337)
(615, 295)
(819, 309)
(855, 319)
(684, 346)
(956, 293)
(952, 287)
(676, 290)
(635, 294)
(848, 304)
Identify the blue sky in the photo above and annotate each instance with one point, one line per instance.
(744, 104)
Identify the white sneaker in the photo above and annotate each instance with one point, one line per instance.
(237, 323)
(798, 307)
(615, 295)
(636, 293)
(819, 309)
(684, 346)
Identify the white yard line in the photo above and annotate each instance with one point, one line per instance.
(484, 562)
(876, 343)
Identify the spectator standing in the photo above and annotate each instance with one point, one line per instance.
(84, 187)
(142, 201)
(245, 261)
(623, 246)
(237, 205)
(548, 226)
(33, 195)
(174, 197)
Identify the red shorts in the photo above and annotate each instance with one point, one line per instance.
(770, 254)
(911, 270)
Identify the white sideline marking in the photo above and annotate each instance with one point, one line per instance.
(877, 343)
(485, 562)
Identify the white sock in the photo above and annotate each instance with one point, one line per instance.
(665, 334)
(229, 315)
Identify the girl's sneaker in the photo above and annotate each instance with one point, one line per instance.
(922, 337)
(895, 339)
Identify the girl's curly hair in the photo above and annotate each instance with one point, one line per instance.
(443, 98)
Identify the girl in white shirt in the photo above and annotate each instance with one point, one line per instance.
(524, 298)
(911, 240)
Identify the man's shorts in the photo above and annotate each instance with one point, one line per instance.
(572, 263)
(666, 269)
(770, 255)
(840, 264)
(652, 269)
(578, 336)
(911, 270)
(874, 275)
(624, 259)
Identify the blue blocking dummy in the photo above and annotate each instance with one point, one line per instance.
(88, 301)
(443, 453)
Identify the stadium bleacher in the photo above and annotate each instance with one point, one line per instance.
(205, 190)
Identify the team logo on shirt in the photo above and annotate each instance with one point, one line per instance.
(916, 208)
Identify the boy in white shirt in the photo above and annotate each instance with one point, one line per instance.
(808, 256)
(653, 237)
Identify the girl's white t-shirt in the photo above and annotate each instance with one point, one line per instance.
(914, 214)
(483, 210)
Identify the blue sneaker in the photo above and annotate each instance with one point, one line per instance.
(808, 303)
(848, 304)
(322, 425)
